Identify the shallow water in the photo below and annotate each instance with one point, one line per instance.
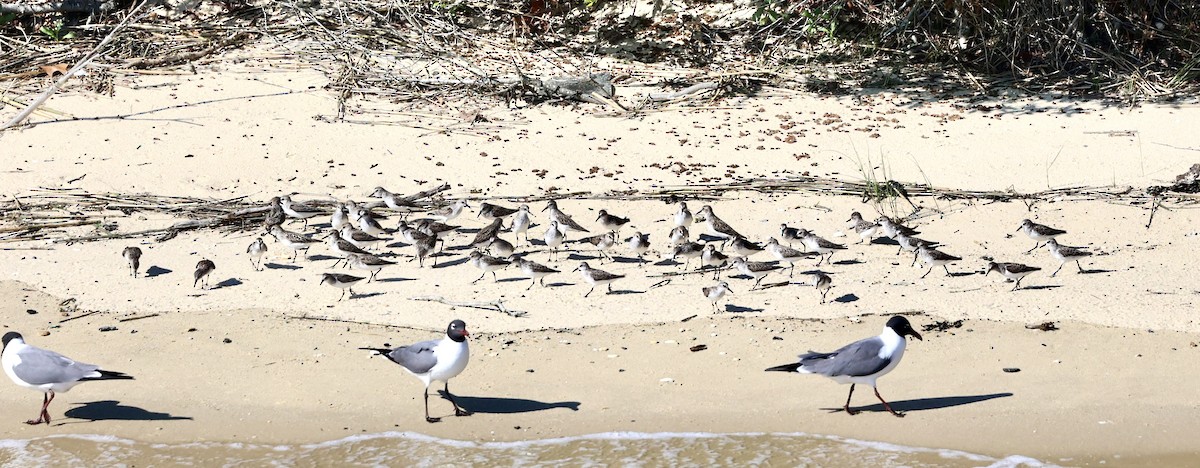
(412, 449)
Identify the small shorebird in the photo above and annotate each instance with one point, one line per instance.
(292, 240)
(485, 235)
(133, 255)
(891, 228)
(603, 243)
(447, 213)
(425, 248)
(490, 211)
(275, 216)
(596, 277)
(744, 247)
(787, 254)
(499, 247)
(563, 219)
(639, 244)
(368, 223)
(554, 237)
(911, 243)
(756, 270)
(687, 250)
(256, 250)
(611, 222)
(865, 229)
(343, 247)
(203, 268)
(359, 238)
(536, 272)
(1039, 233)
(521, 223)
(1065, 254)
(678, 235)
(434, 360)
(715, 293)
(1012, 271)
(790, 234)
(860, 362)
(935, 258)
(47, 371)
(340, 217)
(297, 210)
(716, 226)
(367, 262)
(711, 257)
(487, 263)
(822, 282)
(340, 281)
(396, 202)
(818, 245)
(434, 228)
(683, 217)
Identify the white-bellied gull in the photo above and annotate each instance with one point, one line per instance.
(435, 360)
(47, 371)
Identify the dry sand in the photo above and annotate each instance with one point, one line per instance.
(1112, 382)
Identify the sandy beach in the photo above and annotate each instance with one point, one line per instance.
(271, 356)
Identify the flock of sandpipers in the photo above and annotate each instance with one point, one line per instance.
(354, 231)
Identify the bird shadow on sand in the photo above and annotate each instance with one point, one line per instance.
(229, 283)
(737, 309)
(498, 405)
(849, 262)
(512, 280)
(957, 274)
(395, 279)
(559, 284)
(319, 257)
(280, 266)
(706, 238)
(884, 241)
(156, 271)
(112, 410)
(1041, 286)
(922, 404)
(846, 298)
(1092, 271)
(452, 263)
(357, 296)
(622, 292)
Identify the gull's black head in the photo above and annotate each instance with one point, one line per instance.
(900, 325)
(11, 336)
(457, 331)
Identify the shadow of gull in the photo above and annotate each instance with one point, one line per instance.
(112, 410)
(496, 405)
(922, 404)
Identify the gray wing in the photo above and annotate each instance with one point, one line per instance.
(856, 359)
(417, 358)
(39, 367)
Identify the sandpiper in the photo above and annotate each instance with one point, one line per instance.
(865, 229)
(756, 270)
(425, 248)
(536, 272)
(787, 254)
(487, 263)
(687, 250)
(818, 245)
(1039, 233)
(490, 211)
(434, 228)
(1065, 254)
(678, 235)
(716, 226)
(596, 277)
(1012, 271)
(133, 255)
(203, 268)
(713, 258)
(683, 217)
(639, 244)
(368, 262)
(822, 282)
(499, 247)
(396, 202)
(611, 222)
(891, 229)
(275, 215)
(935, 258)
(744, 247)
(790, 234)
(911, 243)
(716, 292)
(565, 222)
(447, 213)
(256, 250)
(521, 223)
(554, 237)
(368, 223)
(359, 238)
(342, 247)
(340, 217)
(485, 235)
(292, 240)
(297, 210)
(343, 282)
(603, 243)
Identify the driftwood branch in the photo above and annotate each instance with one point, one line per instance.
(685, 92)
(497, 305)
(64, 6)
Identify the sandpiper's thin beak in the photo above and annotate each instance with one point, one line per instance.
(1019, 228)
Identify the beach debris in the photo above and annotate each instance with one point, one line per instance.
(130, 319)
(698, 348)
(31, 311)
(688, 318)
(45, 333)
(68, 306)
(1012, 370)
(227, 341)
(497, 305)
(108, 328)
(777, 338)
(942, 325)
(1044, 326)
